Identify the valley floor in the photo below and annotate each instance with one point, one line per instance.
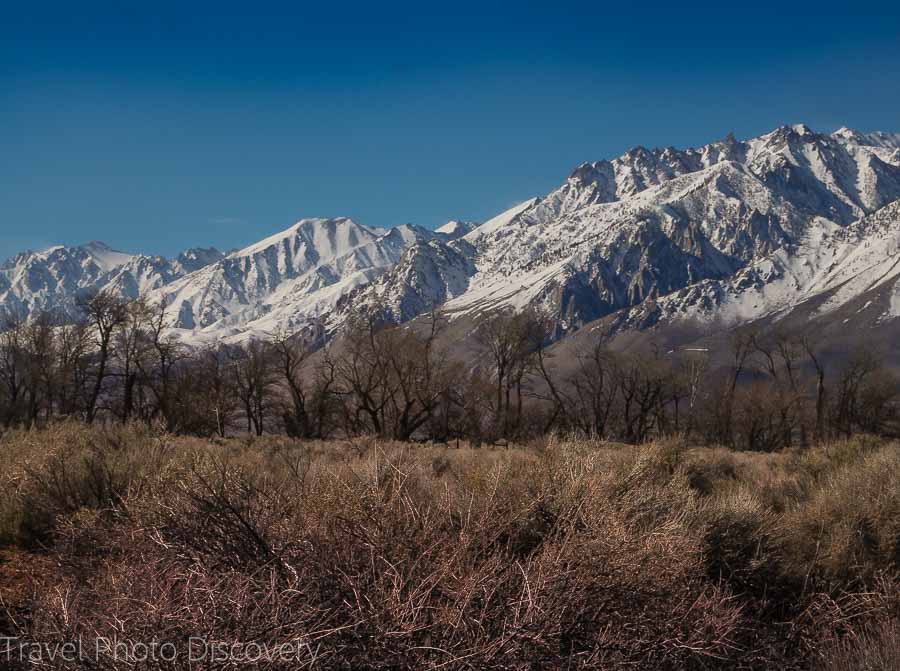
(272, 553)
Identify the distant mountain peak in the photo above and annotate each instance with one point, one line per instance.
(456, 229)
(52, 280)
(802, 129)
(729, 231)
(876, 139)
(105, 256)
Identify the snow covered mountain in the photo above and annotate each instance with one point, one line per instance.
(691, 233)
(53, 279)
(287, 282)
(728, 233)
(828, 268)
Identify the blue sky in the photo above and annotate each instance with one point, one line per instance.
(168, 125)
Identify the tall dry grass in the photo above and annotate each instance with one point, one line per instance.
(386, 556)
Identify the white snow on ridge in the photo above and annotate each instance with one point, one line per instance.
(876, 139)
(728, 232)
(52, 279)
(327, 236)
(106, 257)
(286, 281)
(456, 229)
(450, 228)
(829, 261)
(587, 233)
(501, 220)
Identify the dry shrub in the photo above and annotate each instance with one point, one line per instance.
(654, 490)
(739, 543)
(854, 629)
(375, 567)
(849, 528)
(68, 468)
(875, 648)
(388, 556)
(708, 471)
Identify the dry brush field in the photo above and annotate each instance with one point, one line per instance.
(564, 554)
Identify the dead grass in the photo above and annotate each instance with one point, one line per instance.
(383, 556)
(875, 647)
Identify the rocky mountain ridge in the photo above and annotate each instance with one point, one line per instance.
(732, 231)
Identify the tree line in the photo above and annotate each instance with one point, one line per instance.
(120, 364)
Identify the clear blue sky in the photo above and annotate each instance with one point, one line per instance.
(167, 125)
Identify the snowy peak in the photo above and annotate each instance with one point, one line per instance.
(196, 258)
(105, 256)
(728, 232)
(286, 281)
(501, 221)
(52, 279)
(328, 236)
(429, 273)
(844, 175)
(98, 253)
(876, 139)
(456, 229)
(653, 222)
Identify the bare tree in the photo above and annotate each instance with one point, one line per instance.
(818, 363)
(73, 350)
(393, 379)
(724, 398)
(291, 356)
(642, 386)
(362, 378)
(418, 374)
(760, 420)
(213, 370)
(781, 358)
(12, 368)
(105, 312)
(323, 403)
(511, 340)
(40, 368)
(847, 411)
(693, 369)
(157, 362)
(595, 392)
(562, 405)
(131, 344)
(255, 381)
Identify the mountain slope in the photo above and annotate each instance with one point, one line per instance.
(53, 279)
(285, 282)
(830, 266)
(722, 235)
(620, 233)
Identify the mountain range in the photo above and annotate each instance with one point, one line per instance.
(790, 225)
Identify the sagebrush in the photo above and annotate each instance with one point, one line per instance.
(381, 555)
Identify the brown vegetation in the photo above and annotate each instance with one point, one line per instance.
(341, 520)
(385, 555)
